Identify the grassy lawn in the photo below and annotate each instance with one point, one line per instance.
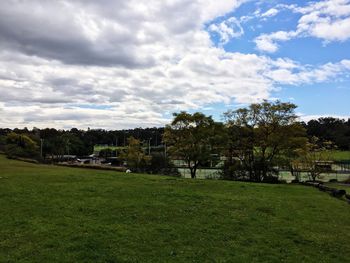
(340, 155)
(98, 148)
(340, 186)
(60, 214)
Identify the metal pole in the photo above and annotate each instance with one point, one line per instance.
(41, 148)
(156, 139)
(149, 146)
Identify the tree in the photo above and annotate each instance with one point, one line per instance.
(74, 145)
(192, 137)
(2, 143)
(331, 129)
(107, 152)
(259, 134)
(291, 157)
(316, 158)
(161, 164)
(20, 145)
(134, 155)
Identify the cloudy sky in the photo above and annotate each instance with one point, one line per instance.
(120, 64)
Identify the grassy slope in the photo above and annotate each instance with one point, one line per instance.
(66, 215)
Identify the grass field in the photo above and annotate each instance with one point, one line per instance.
(340, 155)
(98, 148)
(60, 214)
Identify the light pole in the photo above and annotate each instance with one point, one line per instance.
(156, 144)
(149, 146)
(41, 147)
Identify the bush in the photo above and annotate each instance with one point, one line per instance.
(333, 180)
(234, 171)
(27, 160)
(347, 181)
(95, 167)
(271, 180)
(282, 181)
(160, 164)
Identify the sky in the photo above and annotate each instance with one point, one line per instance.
(116, 64)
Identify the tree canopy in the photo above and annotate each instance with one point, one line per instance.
(259, 133)
(192, 138)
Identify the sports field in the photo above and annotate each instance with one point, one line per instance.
(340, 155)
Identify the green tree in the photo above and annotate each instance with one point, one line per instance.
(107, 152)
(135, 156)
(259, 134)
(161, 164)
(2, 143)
(192, 138)
(316, 157)
(20, 145)
(74, 145)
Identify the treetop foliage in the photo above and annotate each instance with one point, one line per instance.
(261, 114)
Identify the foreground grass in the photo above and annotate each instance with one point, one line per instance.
(60, 214)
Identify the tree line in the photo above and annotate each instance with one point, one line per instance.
(251, 143)
(50, 141)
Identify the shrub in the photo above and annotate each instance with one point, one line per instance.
(160, 164)
(347, 181)
(271, 180)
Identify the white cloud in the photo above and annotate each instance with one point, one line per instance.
(306, 118)
(117, 64)
(327, 20)
(270, 13)
(287, 72)
(228, 29)
(268, 42)
(328, 29)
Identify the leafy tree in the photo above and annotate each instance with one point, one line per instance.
(108, 152)
(261, 133)
(161, 164)
(192, 138)
(2, 143)
(74, 145)
(20, 145)
(316, 158)
(331, 129)
(63, 143)
(134, 155)
(291, 157)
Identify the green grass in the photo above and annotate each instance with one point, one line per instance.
(98, 148)
(340, 155)
(60, 214)
(340, 186)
